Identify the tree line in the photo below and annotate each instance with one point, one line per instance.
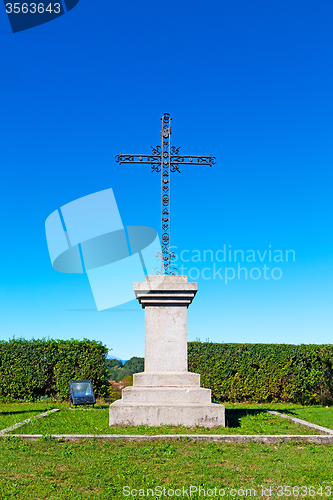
(117, 370)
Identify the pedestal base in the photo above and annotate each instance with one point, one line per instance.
(166, 393)
(157, 414)
(170, 398)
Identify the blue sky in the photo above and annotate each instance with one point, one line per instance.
(249, 82)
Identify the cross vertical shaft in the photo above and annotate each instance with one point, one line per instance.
(165, 194)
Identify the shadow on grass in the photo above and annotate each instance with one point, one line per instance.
(40, 410)
(233, 416)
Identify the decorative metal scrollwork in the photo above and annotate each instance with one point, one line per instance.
(158, 270)
(173, 270)
(174, 168)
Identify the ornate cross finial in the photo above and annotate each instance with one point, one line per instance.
(166, 159)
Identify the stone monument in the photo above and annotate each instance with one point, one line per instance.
(166, 393)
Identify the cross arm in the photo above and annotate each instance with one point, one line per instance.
(147, 159)
(193, 160)
(174, 159)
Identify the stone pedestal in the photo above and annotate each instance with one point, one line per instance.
(166, 393)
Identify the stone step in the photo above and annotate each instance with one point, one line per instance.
(158, 414)
(166, 379)
(182, 395)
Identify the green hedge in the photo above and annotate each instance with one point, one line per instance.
(33, 369)
(264, 372)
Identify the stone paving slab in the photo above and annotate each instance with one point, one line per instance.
(208, 438)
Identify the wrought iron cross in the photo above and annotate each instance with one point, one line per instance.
(166, 159)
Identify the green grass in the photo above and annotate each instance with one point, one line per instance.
(12, 413)
(55, 470)
(96, 421)
(315, 414)
(320, 416)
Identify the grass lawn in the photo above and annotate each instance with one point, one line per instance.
(320, 416)
(95, 421)
(12, 413)
(52, 470)
(49, 469)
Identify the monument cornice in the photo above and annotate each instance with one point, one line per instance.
(172, 291)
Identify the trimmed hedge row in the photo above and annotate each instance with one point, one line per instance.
(32, 369)
(264, 372)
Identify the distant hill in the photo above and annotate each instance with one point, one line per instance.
(117, 369)
(115, 357)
